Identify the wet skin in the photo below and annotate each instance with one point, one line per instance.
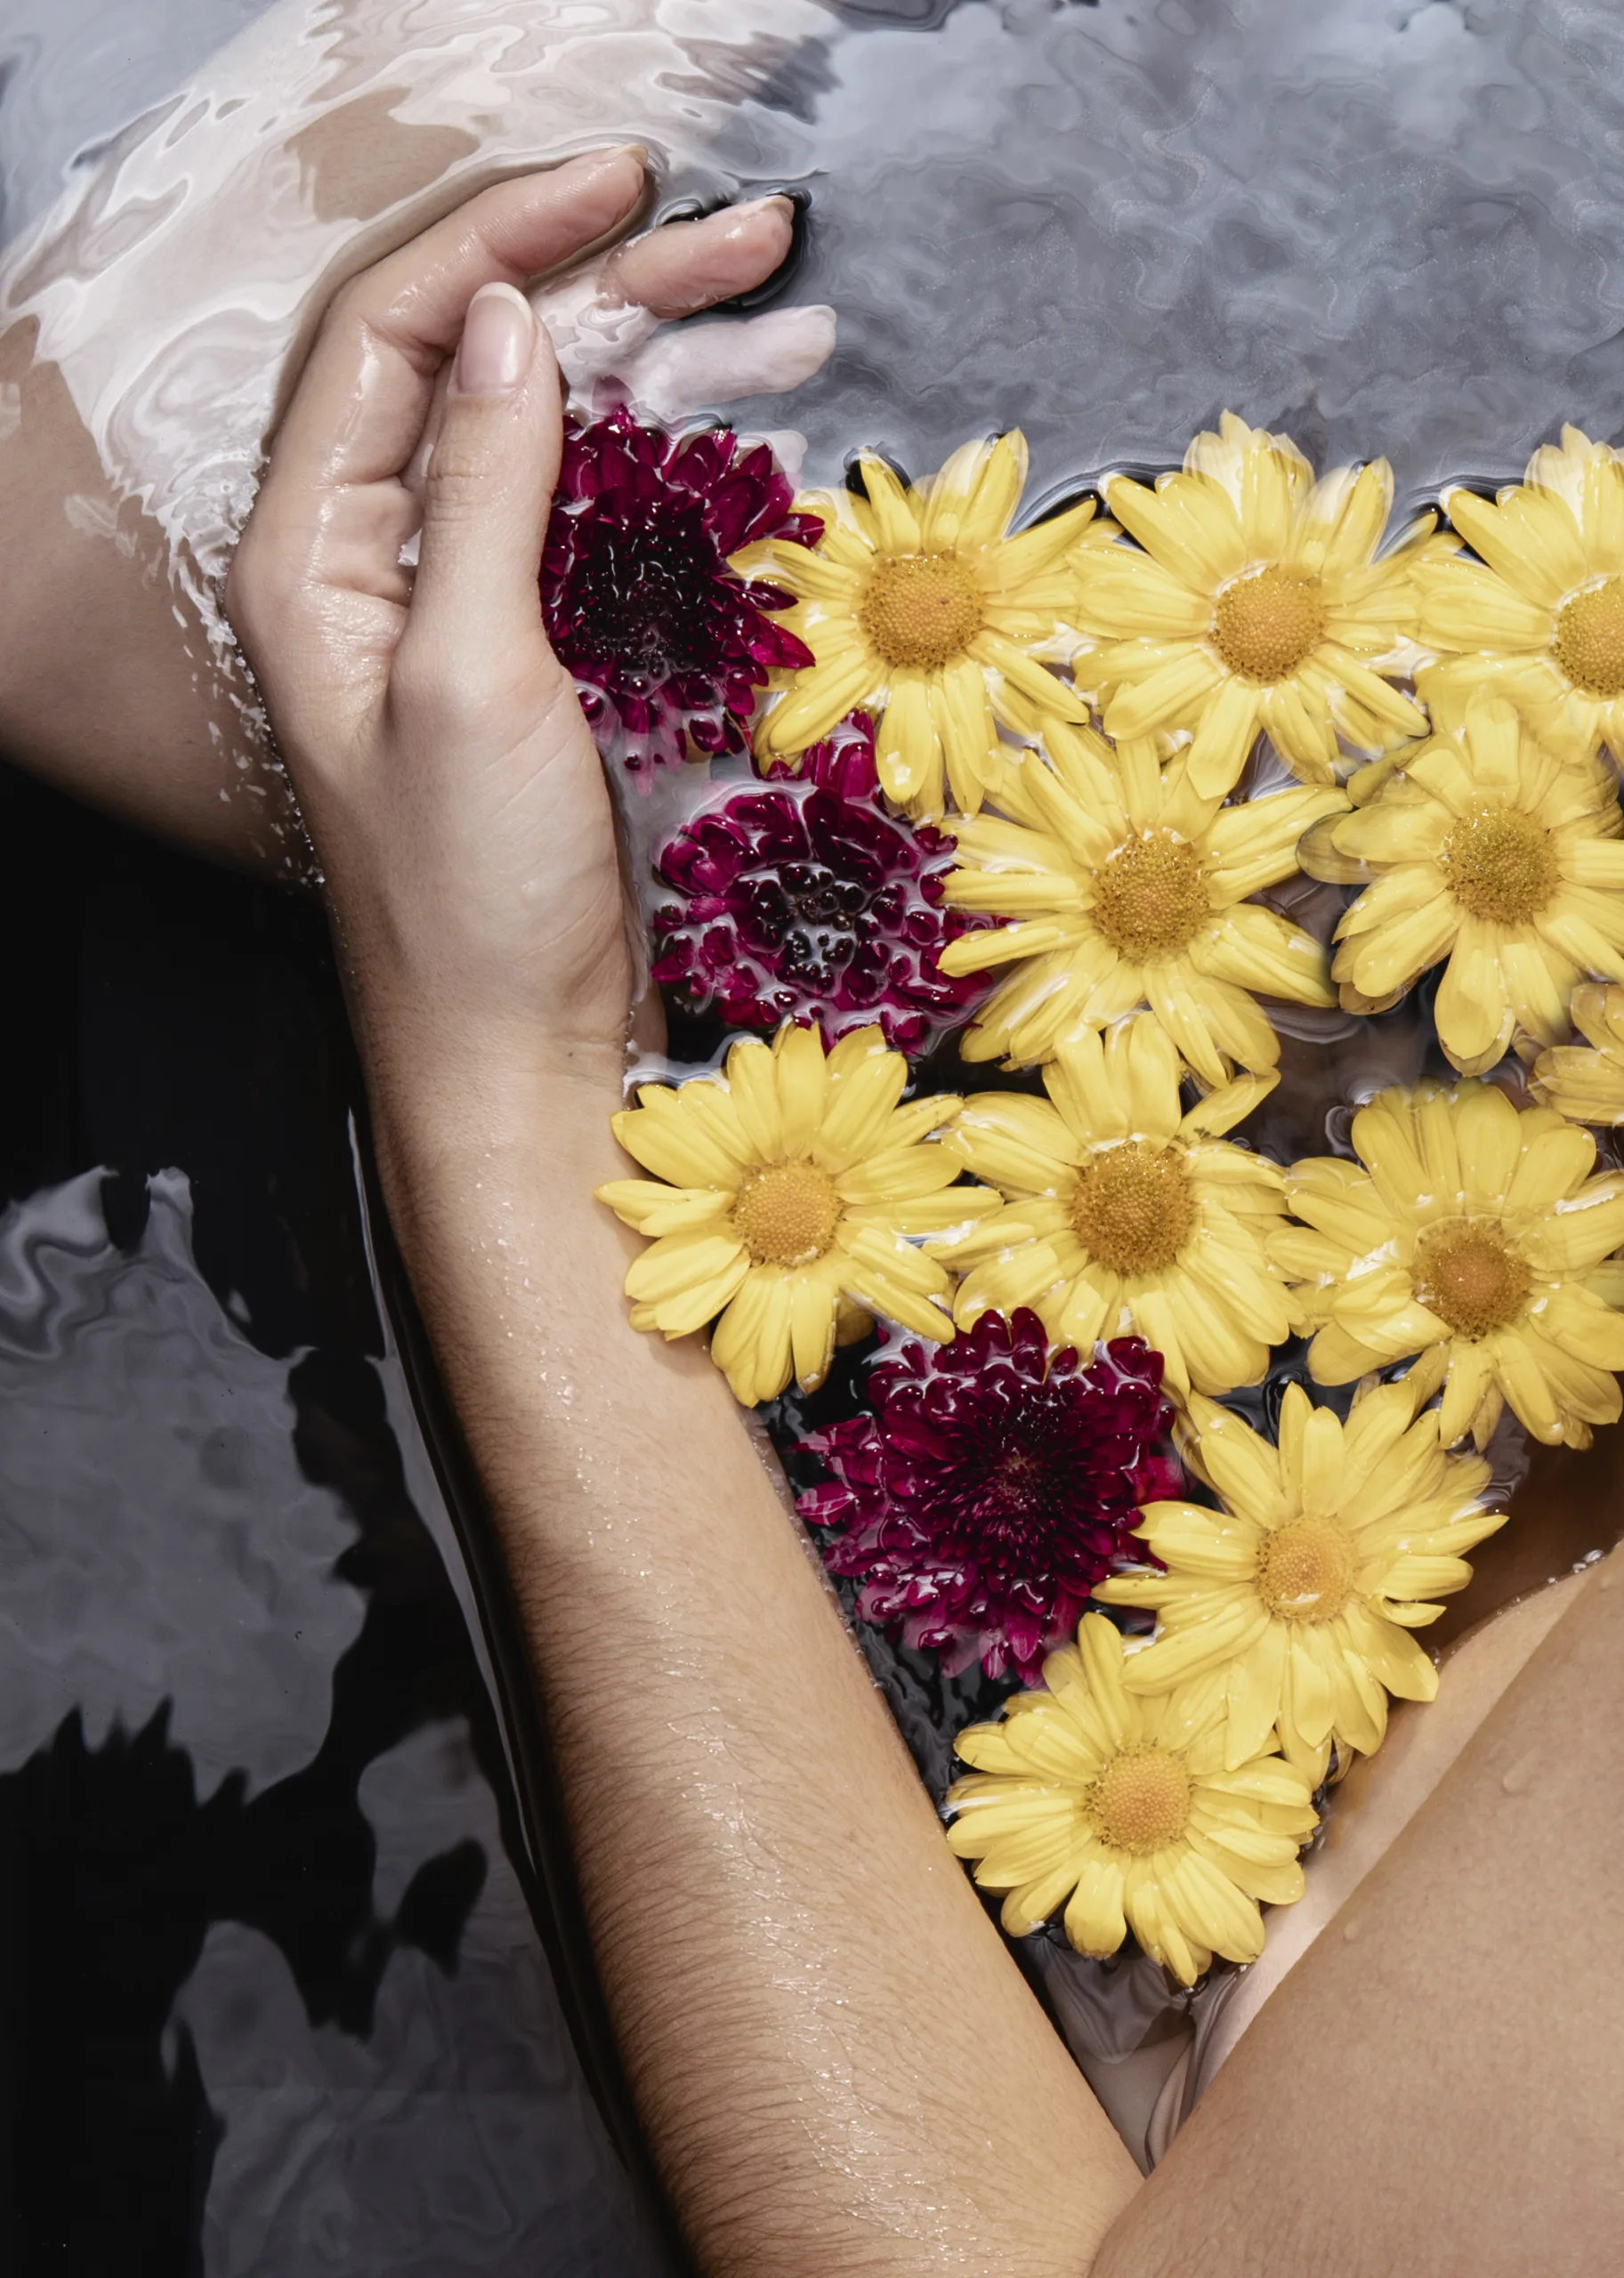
(110, 684)
(837, 2063)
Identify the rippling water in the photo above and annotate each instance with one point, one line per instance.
(267, 1910)
(282, 1985)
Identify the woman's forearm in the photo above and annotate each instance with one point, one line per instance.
(838, 2065)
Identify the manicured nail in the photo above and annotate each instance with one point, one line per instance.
(498, 338)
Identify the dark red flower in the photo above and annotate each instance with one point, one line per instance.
(667, 645)
(809, 900)
(994, 1485)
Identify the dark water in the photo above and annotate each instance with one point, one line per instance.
(289, 1978)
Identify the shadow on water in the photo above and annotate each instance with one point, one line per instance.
(291, 1975)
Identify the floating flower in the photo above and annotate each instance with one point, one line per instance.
(1301, 1593)
(1541, 615)
(1124, 1216)
(1490, 850)
(814, 904)
(992, 1488)
(667, 645)
(1257, 602)
(917, 602)
(1124, 889)
(1588, 1084)
(1464, 1235)
(1122, 1810)
(797, 1188)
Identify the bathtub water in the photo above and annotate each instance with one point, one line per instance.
(258, 1767)
(283, 1983)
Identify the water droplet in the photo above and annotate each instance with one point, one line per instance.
(1519, 1778)
(1350, 1932)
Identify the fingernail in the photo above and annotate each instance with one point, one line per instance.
(498, 338)
(777, 203)
(598, 161)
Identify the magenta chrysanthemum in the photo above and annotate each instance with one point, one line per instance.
(808, 901)
(994, 1485)
(667, 645)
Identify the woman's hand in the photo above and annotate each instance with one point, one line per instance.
(451, 788)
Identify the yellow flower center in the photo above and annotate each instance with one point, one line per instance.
(1267, 622)
(1141, 1802)
(1499, 865)
(786, 1214)
(1471, 1277)
(1133, 1208)
(1150, 898)
(1589, 641)
(1305, 1571)
(921, 609)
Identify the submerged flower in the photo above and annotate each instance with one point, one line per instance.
(1122, 1810)
(667, 645)
(1541, 615)
(797, 1188)
(1588, 1084)
(1258, 601)
(992, 1488)
(917, 602)
(1299, 1595)
(1465, 1235)
(814, 904)
(1490, 850)
(1123, 1216)
(1124, 889)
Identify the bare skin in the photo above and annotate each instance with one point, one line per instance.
(839, 2067)
(110, 684)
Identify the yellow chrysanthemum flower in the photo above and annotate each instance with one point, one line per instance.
(1258, 601)
(1541, 615)
(1494, 851)
(1124, 890)
(1586, 1081)
(1123, 1216)
(1300, 1594)
(787, 1196)
(1123, 1811)
(919, 603)
(1467, 1234)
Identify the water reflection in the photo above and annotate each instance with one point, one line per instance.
(273, 1998)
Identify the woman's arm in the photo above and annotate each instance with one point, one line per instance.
(839, 2067)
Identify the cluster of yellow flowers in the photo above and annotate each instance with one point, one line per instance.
(1084, 701)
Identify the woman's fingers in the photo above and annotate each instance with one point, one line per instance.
(689, 265)
(475, 617)
(361, 405)
(698, 368)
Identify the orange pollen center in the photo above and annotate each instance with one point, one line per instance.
(1589, 638)
(1470, 1276)
(1500, 865)
(1149, 897)
(1305, 1571)
(1268, 621)
(921, 609)
(1133, 1208)
(1141, 1802)
(786, 1214)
